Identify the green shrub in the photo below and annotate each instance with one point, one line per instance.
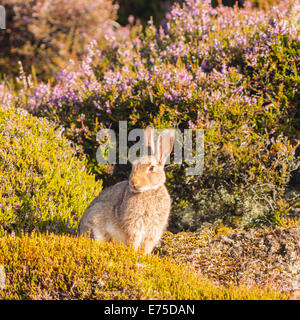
(46, 34)
(61, 267)
(43, 184)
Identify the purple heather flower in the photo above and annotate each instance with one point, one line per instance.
(213, 12)
(131, 19)
(168, 16)
(205, 66)
(239, 89)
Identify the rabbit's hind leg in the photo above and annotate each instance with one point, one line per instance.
(148, 245)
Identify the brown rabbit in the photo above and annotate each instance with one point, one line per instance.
(135, 211)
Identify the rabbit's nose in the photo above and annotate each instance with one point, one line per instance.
(133, 184)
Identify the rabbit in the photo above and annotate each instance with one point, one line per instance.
(135, 211)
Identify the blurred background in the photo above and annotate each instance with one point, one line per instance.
(45, 34)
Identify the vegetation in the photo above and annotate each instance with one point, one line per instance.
(43, 184)
(44, 35)
(61, 267)
(226, 71)
(231, 71)
(231, 256)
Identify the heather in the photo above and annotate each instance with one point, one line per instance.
(45, 35)
(231, 72)
(44, 183)
(263, 257)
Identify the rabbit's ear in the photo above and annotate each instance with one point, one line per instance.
(149, 145)
(165, 145)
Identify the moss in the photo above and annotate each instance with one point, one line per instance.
(65, 267)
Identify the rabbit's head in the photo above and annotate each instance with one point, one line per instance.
(148, 171)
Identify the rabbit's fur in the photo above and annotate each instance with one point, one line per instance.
(135, 211)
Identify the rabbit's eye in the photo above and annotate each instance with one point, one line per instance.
(151, 169)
